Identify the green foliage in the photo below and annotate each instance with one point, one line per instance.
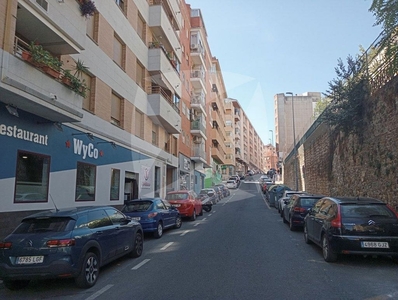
(44, 57)
(320, 106)
(347, 93)
(80, 68)
(75, 84)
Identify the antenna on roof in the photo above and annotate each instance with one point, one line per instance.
(56, 209)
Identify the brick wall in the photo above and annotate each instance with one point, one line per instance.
(340, 165)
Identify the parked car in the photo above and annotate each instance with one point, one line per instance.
(279, 204)
(346, 225)
(68, 243)
(231, 184)
(219, 192)
(207, 204)
(154, 214)
(234, 178)
(295, 211)
(210, 193)
(224, 189)
(187, 203)
(265, 184)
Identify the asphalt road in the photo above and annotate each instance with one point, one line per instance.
(240, 250)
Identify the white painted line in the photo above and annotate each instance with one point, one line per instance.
(196, 224)
(209, 215)
(204, 219)
(100, 292)
(167, 246)
(184, 233)
(140, 264)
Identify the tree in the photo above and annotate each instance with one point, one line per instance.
(320, 106)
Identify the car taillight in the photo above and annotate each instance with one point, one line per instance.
(299, 209)
(336, 222)
(393, 210)
(60, 243)
(152, 215)
(5, 245)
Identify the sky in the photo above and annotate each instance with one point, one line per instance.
(268, 47)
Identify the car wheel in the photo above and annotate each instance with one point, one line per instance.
(207, 208)
(327, 252)
(90, 271)
(291, 226)
(178, 223)
(193, 217)
(15, 284)
(138, 245)
(159, 230)
(306, 238)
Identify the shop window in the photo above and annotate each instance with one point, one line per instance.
(85, 182)
(32, 177)
(115, 184)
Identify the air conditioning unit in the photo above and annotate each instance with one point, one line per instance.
(194, 46)
(197, 139)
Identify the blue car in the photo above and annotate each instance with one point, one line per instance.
(154, 214)
(68, 243)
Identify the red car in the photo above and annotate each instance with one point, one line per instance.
(187, 202)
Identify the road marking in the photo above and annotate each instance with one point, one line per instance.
(100, 292)
(196, 224)
(167, 246)
(204, 219)
(184, 233)
(140, 264)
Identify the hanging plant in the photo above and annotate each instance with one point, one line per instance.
(87, 8)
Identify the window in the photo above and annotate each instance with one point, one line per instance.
(32, 177)
(115, 184)
(139, 124)
(121, 4)
(118, 51)
(140, 75)
(87, 103)
(85, 182)
(155, 135)
(92, 27)
(116, 110)
(141, 28)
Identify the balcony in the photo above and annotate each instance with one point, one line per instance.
(162, 69)
(198, 102)
(198, 129)
(164, 24)
(198, 80)
(197, 54)
(162, 111)
(198, 153)
(29, 86)
(237, 115)
(61, 28)
(218, 154)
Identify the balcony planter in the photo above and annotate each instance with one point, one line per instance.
(74, 83)
(50, 71)
(26, 55)
(87, 8)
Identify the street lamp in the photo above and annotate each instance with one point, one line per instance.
(272, 136)
(294, 142)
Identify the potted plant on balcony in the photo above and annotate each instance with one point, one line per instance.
(43, 59)
(80, 68)
(87, 8)
(74, 83)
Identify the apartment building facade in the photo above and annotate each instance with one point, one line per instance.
(286, 106)
(111, 132)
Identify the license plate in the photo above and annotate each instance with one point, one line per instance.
(23, 260)
(136, 218)
(374, 245)
(176, 205)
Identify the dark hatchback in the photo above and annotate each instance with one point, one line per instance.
(297, 208)
(363, 226)
(68, 243)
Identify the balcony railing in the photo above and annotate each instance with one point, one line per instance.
(162, 92)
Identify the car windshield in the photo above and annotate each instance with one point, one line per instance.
(137, 206)
(308, 201)
(45, 225)
(368, 210)
(230, 181)
(177, 196)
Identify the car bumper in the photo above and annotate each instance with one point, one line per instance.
(149, 226)
(352, 245)
(57, 269)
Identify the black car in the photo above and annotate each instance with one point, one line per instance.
(297, 208)
(68, 243)
(347, 225)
